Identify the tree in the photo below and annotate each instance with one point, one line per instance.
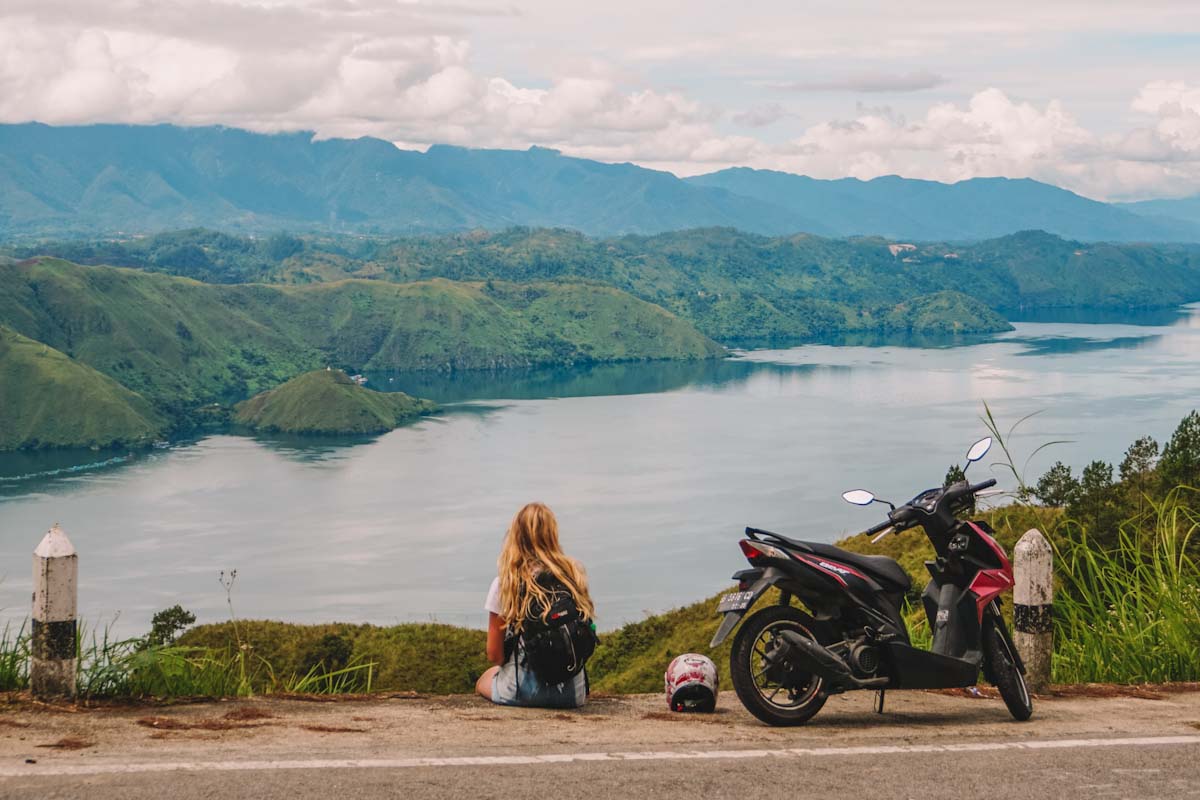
(954, 475)
(329, 654)
(166, 625)
(1094, 505)
(1057, 487)
(957, 474)
(282, 245)
(1180, 462)
(1137, 470)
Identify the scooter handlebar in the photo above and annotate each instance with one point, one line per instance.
(883, 526)
(897, 520)
(954, 494)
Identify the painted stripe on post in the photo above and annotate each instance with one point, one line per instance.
(1033, 619)
(54, 640)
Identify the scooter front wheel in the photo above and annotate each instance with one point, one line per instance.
(771, 690)
(1005, 673)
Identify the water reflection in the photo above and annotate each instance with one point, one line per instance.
(1150, 317)
(1062, 345)
(307, 449)
(932, 341)
(593, 380)
(25, 471)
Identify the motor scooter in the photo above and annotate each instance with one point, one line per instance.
(786, 661)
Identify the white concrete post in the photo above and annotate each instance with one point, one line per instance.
(55, 596)
(1033, 594)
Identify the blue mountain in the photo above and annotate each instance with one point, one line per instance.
(136, 179)
(122, 179)
(980, 208)
(1183, 210)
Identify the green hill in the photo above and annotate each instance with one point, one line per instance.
(945, 312)
(734, 287)
(181, 343)
(50, 400)
(327, 401)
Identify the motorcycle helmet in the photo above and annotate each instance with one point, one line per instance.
(691, 681)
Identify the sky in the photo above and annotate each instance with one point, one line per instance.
(1102, 98)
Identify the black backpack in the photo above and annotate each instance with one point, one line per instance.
(554, 649)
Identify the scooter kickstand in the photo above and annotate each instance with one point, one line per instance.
(879, 695)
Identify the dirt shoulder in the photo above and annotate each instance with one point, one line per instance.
(390, 726)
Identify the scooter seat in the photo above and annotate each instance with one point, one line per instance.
(881, 568)
(885, 569)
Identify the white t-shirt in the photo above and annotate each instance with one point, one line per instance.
(493, 598)
(492, 603)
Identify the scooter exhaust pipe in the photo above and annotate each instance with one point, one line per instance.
(810, 656)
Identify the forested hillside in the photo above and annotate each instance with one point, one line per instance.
(181, 343)
(40, 401)
(734, 286)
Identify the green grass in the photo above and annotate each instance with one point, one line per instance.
(328, 402)
(419, 657)
(49, 400)
(14, 658)
(1130, 613)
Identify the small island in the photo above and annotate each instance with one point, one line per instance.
(328, 402)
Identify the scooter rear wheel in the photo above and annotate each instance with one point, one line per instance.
(770, 691)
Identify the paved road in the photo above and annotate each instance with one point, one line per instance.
(927, 745)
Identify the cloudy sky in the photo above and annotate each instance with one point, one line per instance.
(1100, 97)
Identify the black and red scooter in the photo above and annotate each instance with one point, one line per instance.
(786, 661)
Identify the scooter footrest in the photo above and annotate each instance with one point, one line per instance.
(921, 669)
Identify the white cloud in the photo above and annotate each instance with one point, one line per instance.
(995, 135)
(872, 81)
(761, 116)
(411, 72)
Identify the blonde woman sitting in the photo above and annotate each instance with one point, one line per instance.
(540, 619)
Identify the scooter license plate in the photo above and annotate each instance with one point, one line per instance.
(735, 601)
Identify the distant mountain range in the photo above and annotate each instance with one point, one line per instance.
(980, 208)
(1185, 209)
(120, 179)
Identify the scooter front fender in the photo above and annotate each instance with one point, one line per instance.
(770, 577)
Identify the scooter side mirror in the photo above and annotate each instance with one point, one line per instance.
(858, 497)
(979, 449)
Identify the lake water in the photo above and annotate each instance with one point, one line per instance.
(653, 470)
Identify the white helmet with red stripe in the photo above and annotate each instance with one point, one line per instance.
(692, 683)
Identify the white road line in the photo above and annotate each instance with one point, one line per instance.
(101, 768)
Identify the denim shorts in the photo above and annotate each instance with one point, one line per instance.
(533, 692)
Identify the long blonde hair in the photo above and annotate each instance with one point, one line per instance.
(531, 546)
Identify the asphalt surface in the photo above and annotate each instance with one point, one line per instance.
(1140, 744)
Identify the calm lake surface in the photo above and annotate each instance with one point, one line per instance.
(653, 470)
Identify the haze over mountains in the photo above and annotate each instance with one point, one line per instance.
(118, 179)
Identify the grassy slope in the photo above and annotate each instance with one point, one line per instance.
(181, 342)
(328, 402)
(50, 400)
